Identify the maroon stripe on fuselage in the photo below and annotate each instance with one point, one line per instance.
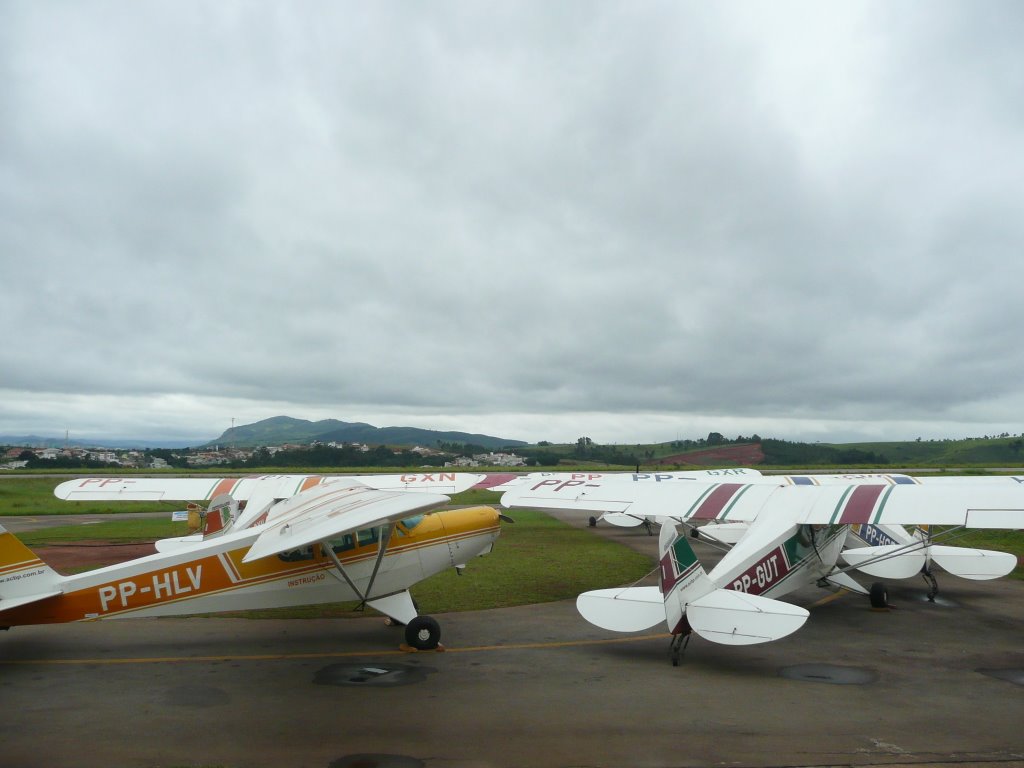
(862, 502)
(716, 501)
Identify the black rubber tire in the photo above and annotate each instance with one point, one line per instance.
(593, 522)
(879, 595)
(423, 633)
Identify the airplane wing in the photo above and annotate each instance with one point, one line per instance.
(971, 506)
(426, 482)
(179, 488)
(698, 500)
(242, 488)
(974, 506)
(332, 510)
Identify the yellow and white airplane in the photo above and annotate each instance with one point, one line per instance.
(269, 541)
(787, 536)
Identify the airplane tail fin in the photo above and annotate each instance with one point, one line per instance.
(631, 609)
(24, 578)
(220, 516)
(694, 602)
(683, 578)
(688, 600)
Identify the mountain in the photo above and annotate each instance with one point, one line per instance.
(284, 429)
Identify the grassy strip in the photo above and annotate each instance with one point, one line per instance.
(121, 531)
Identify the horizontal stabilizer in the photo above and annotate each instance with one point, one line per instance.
(890, 561)
(625, 609)
(970, 563)
(13, 602)
(736, 618)
(178, 543)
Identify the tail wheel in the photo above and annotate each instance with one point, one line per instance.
(879, 595)
(423, 633)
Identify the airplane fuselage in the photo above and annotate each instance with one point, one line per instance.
(784, 563)
(211, 576)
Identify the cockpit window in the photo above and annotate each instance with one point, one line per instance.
(346, 542)
(412, 522)
(368, 536)
(361, 538)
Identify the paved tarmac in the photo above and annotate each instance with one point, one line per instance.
(923, 684)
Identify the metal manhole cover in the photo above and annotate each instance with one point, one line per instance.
(829, 673)
(376, 675)
(1010, 675)
(377, 761)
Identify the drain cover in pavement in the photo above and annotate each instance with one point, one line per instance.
(377, 761)
(376, 675)
(1010, 675)
(829, 673)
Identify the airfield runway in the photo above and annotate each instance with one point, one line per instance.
(923, 684)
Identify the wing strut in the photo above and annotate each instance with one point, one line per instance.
(384, 532)
(385, 538)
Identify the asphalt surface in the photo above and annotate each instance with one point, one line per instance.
(925, 683)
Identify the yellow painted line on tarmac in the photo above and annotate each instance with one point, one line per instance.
(829, 598)
(559, 644)
(323, 655)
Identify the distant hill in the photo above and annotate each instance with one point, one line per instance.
(284, 429)
(717, 451)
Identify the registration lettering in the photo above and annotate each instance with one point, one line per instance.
(160, 586)
(561, 485)
(442, 477)
(764, 574)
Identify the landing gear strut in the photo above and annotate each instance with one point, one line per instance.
(679, 643)
(879, 596)
(933, 585)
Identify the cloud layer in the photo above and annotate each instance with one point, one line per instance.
(636, 221)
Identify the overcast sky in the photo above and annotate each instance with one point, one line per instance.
(635, 221)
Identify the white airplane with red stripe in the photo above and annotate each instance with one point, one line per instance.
(874, 545)
(789, 536)
(282, 540)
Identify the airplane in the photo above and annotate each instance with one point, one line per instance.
(791, 536)
(268, 541)
(874, 543)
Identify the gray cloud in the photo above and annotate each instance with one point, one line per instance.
(637, 221)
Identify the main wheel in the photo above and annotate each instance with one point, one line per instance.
(879, 595)
(423, 633)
